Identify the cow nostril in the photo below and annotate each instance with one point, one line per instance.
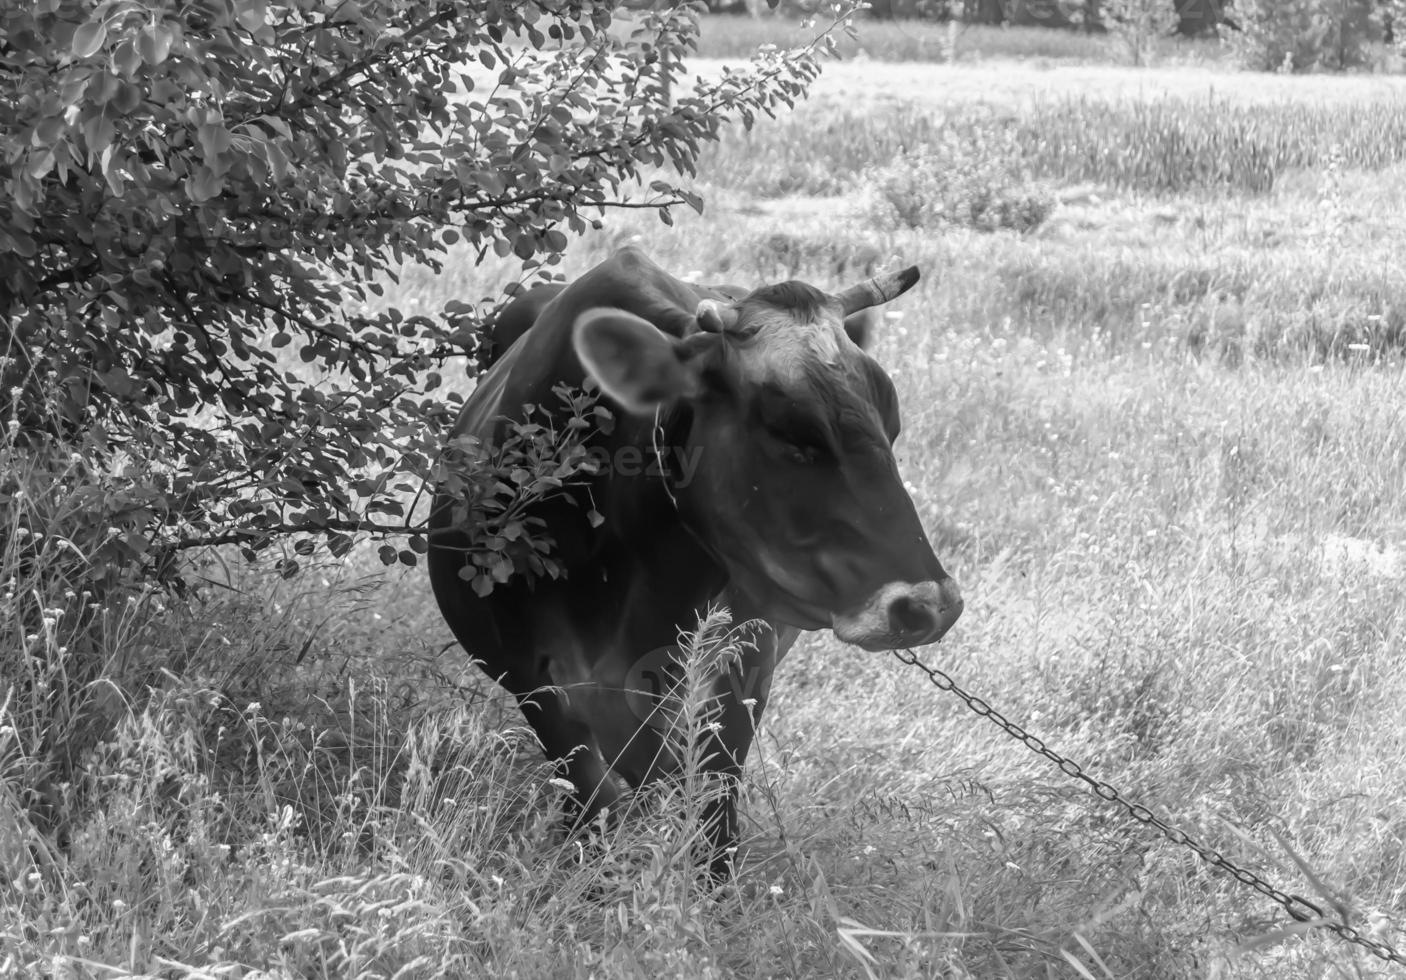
(910, 617)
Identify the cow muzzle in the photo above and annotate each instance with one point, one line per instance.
(901, 614)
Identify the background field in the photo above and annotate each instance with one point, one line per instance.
(1157, 436)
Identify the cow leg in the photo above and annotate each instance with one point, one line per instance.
(570, 744)
(741, 695)
(643, 753)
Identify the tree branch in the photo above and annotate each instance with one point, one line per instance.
(244, 536)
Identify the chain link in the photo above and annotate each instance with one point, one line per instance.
(1301, 909)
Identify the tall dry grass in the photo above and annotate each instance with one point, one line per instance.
(1153, 146)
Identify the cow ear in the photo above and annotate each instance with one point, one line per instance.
(637, 364)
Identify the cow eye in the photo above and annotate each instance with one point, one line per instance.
(800, 455)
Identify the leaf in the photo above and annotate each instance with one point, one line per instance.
(205, 185)
(387, 554)
(116, 183)
(277, 161)
(251, 14)
(214, 140)
(98, 131)
(40, 163)
(88, 39)
(128, 97)
(154, 43)
(127, 59)
(489, 183)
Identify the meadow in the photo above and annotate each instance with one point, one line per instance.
(1151, 385)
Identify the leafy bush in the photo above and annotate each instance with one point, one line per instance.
(200, 204)
(972, 179)
(920, 192)
(1303, 35)
(1139, 24)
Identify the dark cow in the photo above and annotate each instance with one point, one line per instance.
(793, 513)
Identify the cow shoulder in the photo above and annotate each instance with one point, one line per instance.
(517, 317)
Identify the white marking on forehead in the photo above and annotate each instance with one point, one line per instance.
(784, 344)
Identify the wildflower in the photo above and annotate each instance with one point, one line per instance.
(777, 890)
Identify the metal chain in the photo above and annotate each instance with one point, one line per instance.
(1292, 904)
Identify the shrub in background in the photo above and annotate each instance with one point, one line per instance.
(1305, 35)
(1139, 24)
(974, 179)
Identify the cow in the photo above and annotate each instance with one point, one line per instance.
(793, 515)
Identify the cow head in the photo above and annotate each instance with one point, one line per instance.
(796, 492)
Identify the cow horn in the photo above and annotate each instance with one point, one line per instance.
(714, 317)
(880, 289)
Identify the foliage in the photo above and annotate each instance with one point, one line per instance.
(972, 179)
(1138, 24)
(1304, 35)
(201, 204)
(535, 461)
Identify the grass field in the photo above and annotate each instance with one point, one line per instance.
(1159, 440)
